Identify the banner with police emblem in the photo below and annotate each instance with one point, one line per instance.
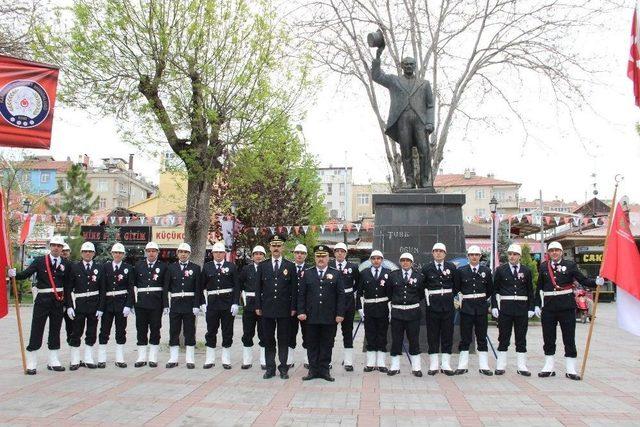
(27, 99)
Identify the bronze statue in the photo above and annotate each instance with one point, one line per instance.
(411, 114)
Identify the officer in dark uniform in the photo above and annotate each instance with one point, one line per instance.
(405, 292)
(151, 282)
(372, 303)
(275, 302)
(439, 277)
(184, 305)
(68, 323)
(474, 287)
(350, 276)
(220, 284)
(250, 320)
(512, 304)
(299, 257)
(53, 275)
(84, 300)
(556, 278)
(116, 305)
(321, 302)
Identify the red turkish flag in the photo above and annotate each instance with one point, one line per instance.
(622, 266)
(633, 67)
(27, 100)
(4, 259)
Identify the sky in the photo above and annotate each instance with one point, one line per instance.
(340, 125)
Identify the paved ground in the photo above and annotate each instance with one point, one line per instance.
(608, 395)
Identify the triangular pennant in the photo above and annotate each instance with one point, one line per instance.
(127, 219)
(576, 221)
(120, 219)
(112, 219)
(340, 226)
(500, 217)
(272, 230)
(557, 219)
(314, 228)
(70, 218)
(322, 227)
(57, 218)
(296, 229)
(142, 220)
(519, 217)
(358, 226)
(288, 227)
(305, 228)
(171, 219)
(156, 220)
(85, 218)
(349, 228)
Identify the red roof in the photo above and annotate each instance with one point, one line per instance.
(459, 180)
(42, 164)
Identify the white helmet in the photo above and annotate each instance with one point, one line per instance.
(56, 240)
(376, 253)
(300, 248)
(66, 247)
(152, 245)
(514, 247)
(219, 247)
(87, 246)
(184, 247)
(406, 255)
(439, 246)
(554, 245)
(260, 249)
(340, 246)
(474, 249)
(118, 247)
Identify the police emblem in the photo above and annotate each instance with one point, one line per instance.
(24, 103)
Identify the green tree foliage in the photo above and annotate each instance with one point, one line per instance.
(198, 75)
(504, 240)
(528, 260)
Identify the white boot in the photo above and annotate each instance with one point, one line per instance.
(210, 358)
(416, 365)
(174, 352)
(380, 361)
(522, 365)
(571, 368)
(433, 363)
(226, 358)
(153, 355)
(102, 355)
(348, 359)
(501, 364)
(74, 359)
(445, 365)
(463, 363)
(547, 369)
(263, 359)
(395, 365)
(190, 357)
(32, 362)
(120, 356)
(483, 363)
(142, 356)
(371, 361)
(247, 357)
(54, 362)
(290, 355)
(88, 357)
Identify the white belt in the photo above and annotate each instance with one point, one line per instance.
(249, 294)
(510, 298)
(219, 291)
(375, 300)
(471, 296)
(405, 307)
(427, 293)
(554, 293)
(85, 294)
(49, 290)
(150, 289)
(114, 293)
(348, 290)
(181, 294)
(244, 296)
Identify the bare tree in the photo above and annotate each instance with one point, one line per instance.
(472, 51)
(17, 25)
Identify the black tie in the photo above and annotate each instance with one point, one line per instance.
(406, 276)
(475, 270)
(218, 266)
(150, 266)
(319, 274)
(340, 266)
(375, 275)
(182, 266)
(515, 271)
(54, 263)
(87, 267)
(277, 265)
(440, 268)
(299, 269)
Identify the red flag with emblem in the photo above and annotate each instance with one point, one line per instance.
(633, 67)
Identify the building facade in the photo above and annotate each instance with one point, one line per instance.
(337, 190)
(362, 199)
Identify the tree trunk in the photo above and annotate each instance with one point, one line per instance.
(198, 215)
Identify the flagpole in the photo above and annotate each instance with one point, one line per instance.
(617, 178)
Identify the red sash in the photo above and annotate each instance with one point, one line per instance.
(47, 264)
(553, 278)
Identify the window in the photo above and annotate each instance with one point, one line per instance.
(329, 189)
(102, 186)
(45, 177)
(481, 212)
(122, 187)
(103, 203)
(363, 199)
(480, 194)
(342, 189)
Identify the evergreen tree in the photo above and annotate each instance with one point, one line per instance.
(504, 240)
(528, 260)
(104, 249)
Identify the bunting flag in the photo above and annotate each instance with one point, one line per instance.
(28, 225)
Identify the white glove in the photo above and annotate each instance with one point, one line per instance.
(495, 312)
(71, 313)
(11, 272)
(538, 312)
(98, 314)
(196, 311)
(361, 312)
(530, 314)
(203, 308)
(234, 309)
(133, 311)
(599, 281)
(126, 311)
(165, 311)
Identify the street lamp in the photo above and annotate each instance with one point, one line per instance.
(493, 207)
(26, 206)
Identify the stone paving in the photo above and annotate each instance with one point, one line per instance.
(608, 395)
